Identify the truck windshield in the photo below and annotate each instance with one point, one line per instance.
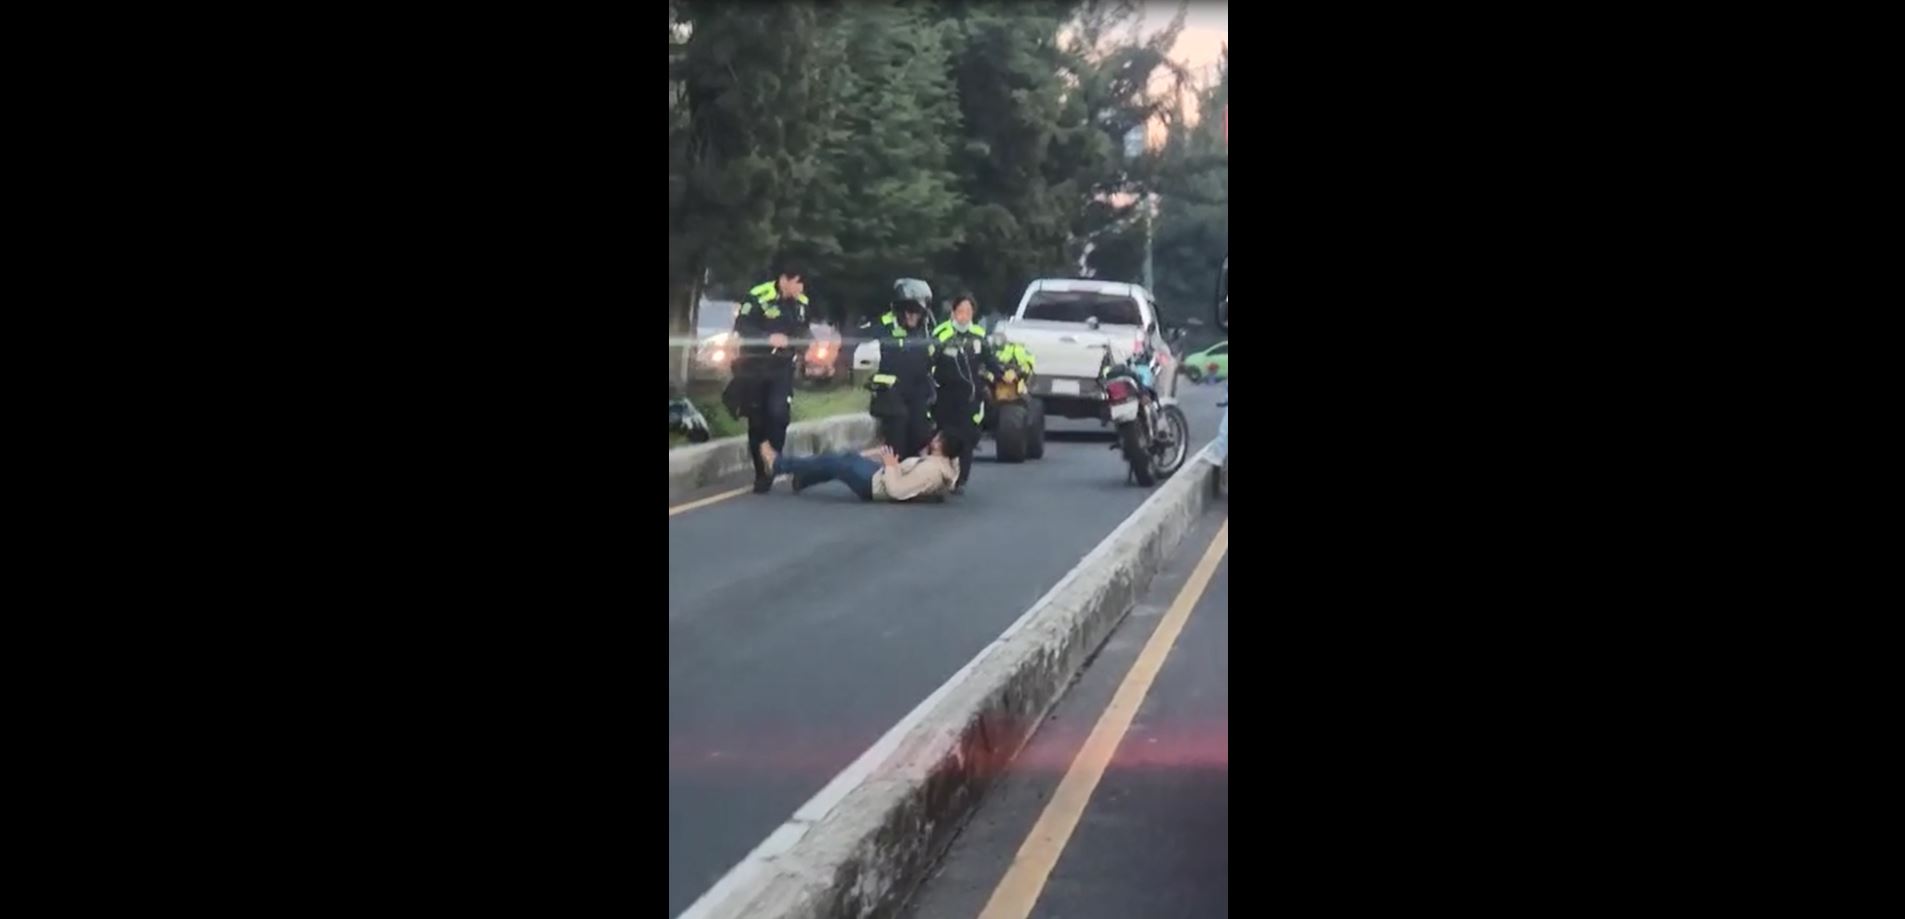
(1081, 305)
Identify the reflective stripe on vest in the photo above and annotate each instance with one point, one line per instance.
(768, 294)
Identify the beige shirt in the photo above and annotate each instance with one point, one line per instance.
(918, 477)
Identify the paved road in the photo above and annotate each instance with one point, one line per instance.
(800, 628)
(1153, 839)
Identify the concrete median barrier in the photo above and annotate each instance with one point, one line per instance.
(702, 465)
(867, 840)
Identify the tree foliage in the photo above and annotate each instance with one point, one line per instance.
(885, 192)
(1193, 228)
(976, 143)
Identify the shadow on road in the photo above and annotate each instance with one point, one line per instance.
(1081, 437)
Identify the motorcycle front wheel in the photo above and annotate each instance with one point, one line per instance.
(1173, 443)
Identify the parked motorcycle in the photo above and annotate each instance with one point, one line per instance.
(1152, 430)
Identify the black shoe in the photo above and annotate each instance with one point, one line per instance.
(959, 490)
(763, 484)
(801, 484)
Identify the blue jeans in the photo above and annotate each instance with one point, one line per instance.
(847, 466)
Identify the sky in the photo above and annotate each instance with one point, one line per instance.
(1206, 28)
(1199, 46)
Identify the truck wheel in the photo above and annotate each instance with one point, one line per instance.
(1035, 445)
(1014, 429)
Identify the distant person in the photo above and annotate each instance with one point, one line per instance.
(772, 316)
(888, 478)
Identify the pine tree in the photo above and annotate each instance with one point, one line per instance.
(885, 201)
(1021, 143)
(750, 77)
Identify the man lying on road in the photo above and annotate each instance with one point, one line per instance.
(888, 478)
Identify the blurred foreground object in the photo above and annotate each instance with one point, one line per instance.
(684, 417)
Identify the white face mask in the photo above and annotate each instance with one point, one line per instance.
(961, 326)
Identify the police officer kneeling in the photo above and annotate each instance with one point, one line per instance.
(903, 385)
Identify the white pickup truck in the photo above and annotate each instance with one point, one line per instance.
(1069, 324)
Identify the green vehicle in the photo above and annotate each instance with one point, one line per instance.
(1211, 365)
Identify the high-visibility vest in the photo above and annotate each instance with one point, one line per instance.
(767, 295)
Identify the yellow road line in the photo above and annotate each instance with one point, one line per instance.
(712, 499)
(704, 502)
(1019, 890)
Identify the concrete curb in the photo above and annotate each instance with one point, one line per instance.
(701, 465)
(860, 849)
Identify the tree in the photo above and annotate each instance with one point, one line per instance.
(1022, 141)
(1113, 77)
(885, 200)
(743, 150)
(1193, 233)
(965, 141)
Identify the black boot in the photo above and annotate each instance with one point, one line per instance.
(763, 476)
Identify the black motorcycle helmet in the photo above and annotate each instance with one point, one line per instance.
(913, 295)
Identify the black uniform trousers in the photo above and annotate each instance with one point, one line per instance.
(904, 424)
(771, 390)
(956, 416)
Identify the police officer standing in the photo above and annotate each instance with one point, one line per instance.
(769, 321)
(903, 386)
(962, 365)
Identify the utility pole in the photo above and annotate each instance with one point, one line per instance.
(1150, 235)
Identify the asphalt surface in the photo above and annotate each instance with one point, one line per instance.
(800, 628)
(1153, 842)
